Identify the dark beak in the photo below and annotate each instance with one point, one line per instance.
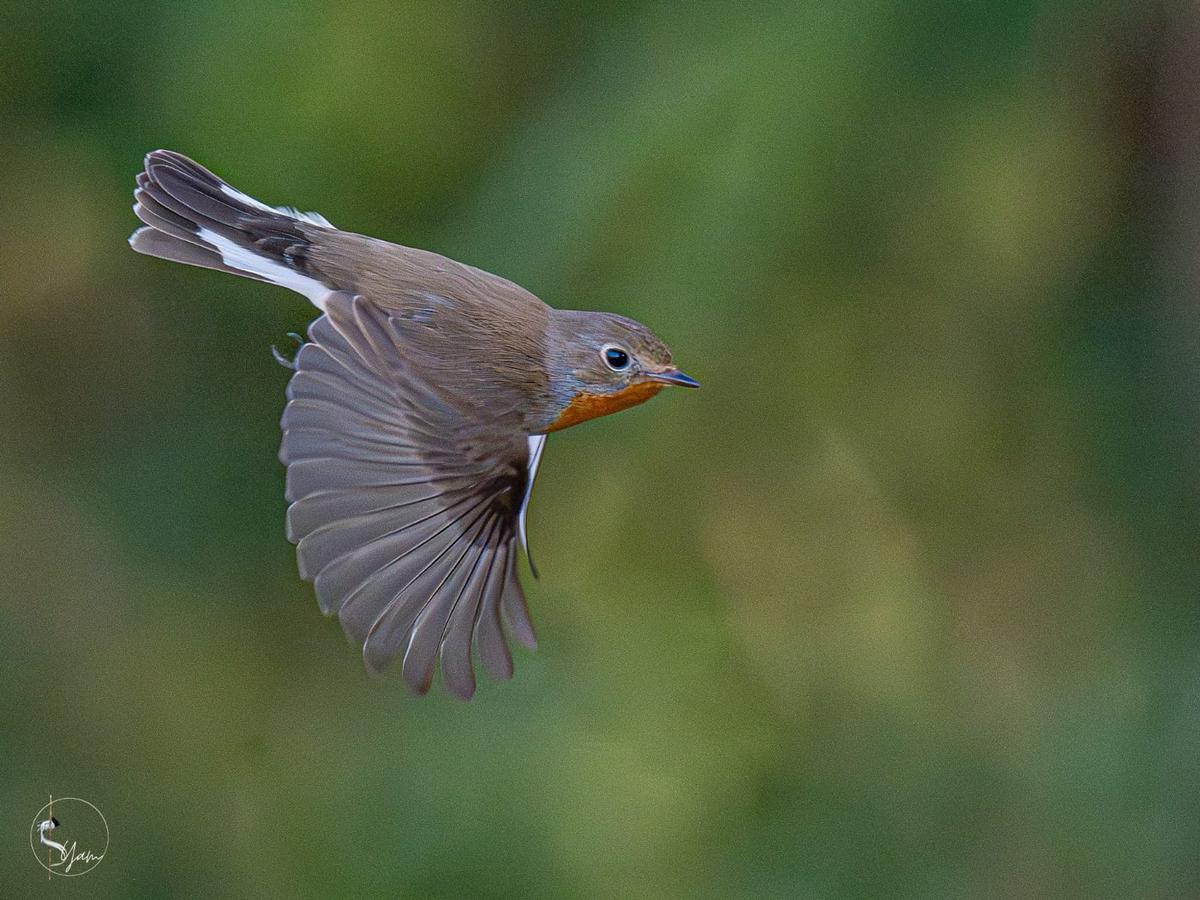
(673, 376)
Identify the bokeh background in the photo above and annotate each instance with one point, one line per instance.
(903, 603)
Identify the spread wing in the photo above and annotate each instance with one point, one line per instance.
(405, 504)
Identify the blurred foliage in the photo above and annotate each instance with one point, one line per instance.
(902, 604)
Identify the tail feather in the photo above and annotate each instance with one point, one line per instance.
(161, 218)
(194, 217)
(153, 242)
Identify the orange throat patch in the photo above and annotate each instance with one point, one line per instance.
(584, 406)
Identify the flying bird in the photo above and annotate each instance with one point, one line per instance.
(416, 416)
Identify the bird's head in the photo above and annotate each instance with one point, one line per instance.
(601, 363)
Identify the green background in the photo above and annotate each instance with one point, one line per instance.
(903, 603)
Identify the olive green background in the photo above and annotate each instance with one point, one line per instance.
(903, 603)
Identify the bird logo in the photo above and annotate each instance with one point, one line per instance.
(417, 415)
(44, 828)
(84, 841)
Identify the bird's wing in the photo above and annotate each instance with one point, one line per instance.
(405, 503)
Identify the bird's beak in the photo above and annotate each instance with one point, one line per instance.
(673, 376)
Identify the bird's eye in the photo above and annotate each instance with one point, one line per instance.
(616, 358)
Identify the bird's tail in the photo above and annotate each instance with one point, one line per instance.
(194, 217)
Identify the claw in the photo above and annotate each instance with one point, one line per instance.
(283, 360)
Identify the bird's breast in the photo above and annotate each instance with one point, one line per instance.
(585, 405)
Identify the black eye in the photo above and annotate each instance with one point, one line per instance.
(616, 358)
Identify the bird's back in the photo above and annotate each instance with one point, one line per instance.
(478, 334)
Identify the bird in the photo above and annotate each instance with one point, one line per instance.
(416, 416)
(44, 828)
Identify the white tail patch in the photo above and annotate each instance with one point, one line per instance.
(312, 218)
(291, 212)
(244, 260)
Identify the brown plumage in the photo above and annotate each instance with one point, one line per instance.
(416, 416)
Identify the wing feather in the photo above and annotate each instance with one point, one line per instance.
(392, 631)
(489, 637)
(365, 578)
(404, 507)
(420, 657)
(458, 675)
(516, 610)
